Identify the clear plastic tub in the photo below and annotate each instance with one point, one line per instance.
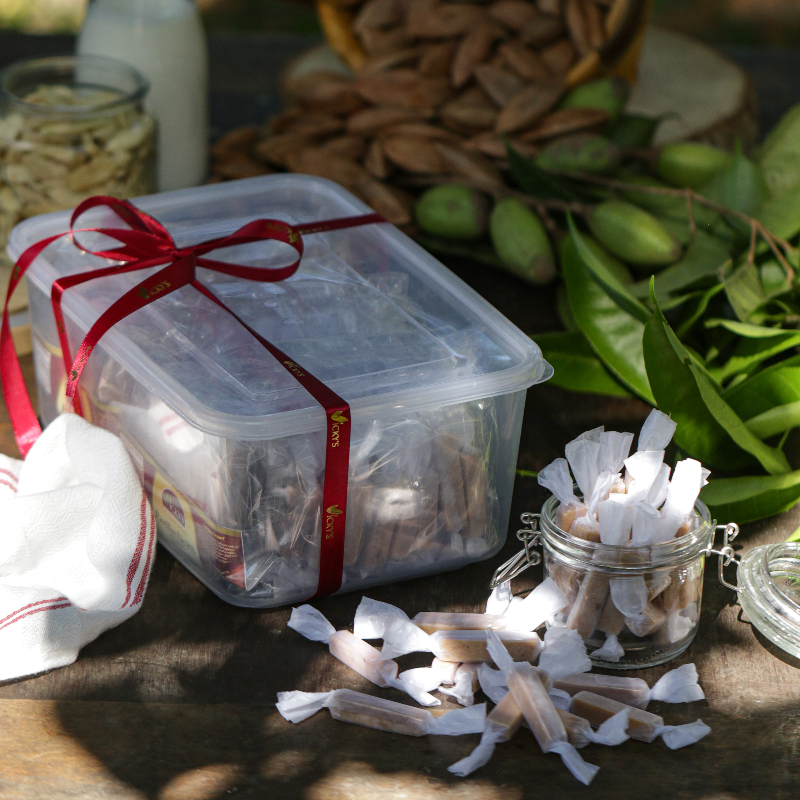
(231, 449)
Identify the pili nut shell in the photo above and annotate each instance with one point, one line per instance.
(471, 166)
(276, 150)
(327, 95)
(471, 111)
(524, 61)
(473, 49)
(492, 145)
(375, 41)
(403, 87)
(500, 84)
(375, 160)
(239, 167)
(239, 140)
(378, 14)
(314, 161)
(445, 20)
(413, 154)
(617, 12)
(595, 29)
(512, 13)
(421, 129)
(395, 205)
(558, 58)
(529, 106)
(436, 58)
(541, 31)
(371, 120)
(312, 125)
(352, 147)
(564, 121)
(552, 7)
(577, 26)
(280, 122)
(380, 62)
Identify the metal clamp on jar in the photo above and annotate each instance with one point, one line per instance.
(647, 598)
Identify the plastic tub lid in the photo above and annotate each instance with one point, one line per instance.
(368, 312)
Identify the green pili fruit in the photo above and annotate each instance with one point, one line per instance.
(608, 94)
(453, 211)
(633, 234)
(521, 242)
(580, 152)
(690, 164)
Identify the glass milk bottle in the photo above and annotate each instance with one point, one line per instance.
(164, 40)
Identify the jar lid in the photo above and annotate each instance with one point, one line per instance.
(769, 593)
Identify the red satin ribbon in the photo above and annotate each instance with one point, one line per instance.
(147, 244)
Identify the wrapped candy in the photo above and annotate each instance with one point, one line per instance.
(580, 733)
(383, 715)
(530, 695)
(365, 659)
(465, 684)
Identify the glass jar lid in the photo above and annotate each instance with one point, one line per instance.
(769, 592)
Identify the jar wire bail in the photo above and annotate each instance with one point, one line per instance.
(529, 536)
(725, 554)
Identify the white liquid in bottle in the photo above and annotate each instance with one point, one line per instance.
(164, 40)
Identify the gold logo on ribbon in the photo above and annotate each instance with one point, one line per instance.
(334, 510)
(337, 416)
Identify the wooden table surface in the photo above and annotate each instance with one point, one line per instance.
(178, 702)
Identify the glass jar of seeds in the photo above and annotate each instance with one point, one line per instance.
(71, 128)
(647, 598)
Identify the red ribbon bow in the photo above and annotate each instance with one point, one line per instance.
(147, 244)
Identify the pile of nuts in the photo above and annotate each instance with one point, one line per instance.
(441, 84)
(51, 161)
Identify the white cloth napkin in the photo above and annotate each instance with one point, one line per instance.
(76, 548)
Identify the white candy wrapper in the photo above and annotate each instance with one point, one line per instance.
(564, 653)
(375, 712)
(463, 690)
(629, 595)
(688, 479)
(579, 768)
(541, 604)
(602, 487)
(365, 659)
(556, 477)
(678, 686)
(615, 520)
(642, 469)
(377, 620)
(611, 650)
(500, 598)
(482, 754)
(613, 731)
(493, 683)
(677, 736)
(561, 699)
(657, 431)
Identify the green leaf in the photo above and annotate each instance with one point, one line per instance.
(613, 286)
(535, 181)
(740, 186)
(708, 428)
(702, 306)
(704, 256)
(795, 537)
(634, 130)
(564, 311)
(747, 329)
(575, 365)
(751, 497)
(612, 333)
(781, 213)
(527, 473)
(780, 154)
(769, 400)
(750, 352)
(744, 291)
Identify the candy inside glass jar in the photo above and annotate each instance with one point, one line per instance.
(640, 605)
(71, 128)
